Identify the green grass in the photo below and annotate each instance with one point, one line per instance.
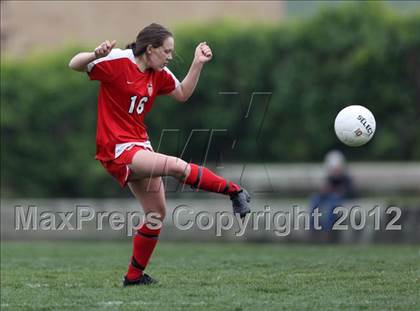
(87, 276)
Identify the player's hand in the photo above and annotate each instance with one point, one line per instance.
(203, 53)
(104, 48)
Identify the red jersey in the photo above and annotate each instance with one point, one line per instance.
(126, 95)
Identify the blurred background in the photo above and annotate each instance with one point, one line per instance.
(293, 65)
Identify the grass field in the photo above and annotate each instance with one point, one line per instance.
(87, 276)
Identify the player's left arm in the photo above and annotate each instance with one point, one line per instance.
(203, 54)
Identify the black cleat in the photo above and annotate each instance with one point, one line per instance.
(145, 279)
(240, 202)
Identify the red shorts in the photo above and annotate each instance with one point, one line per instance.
(118, 167)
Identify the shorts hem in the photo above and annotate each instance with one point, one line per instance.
(119, 167)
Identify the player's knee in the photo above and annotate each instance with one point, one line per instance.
(178, 168)
(157, 214)
(162, 213)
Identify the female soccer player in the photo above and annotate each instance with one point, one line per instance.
(130, 80)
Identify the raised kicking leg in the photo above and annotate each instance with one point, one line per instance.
(147, 164)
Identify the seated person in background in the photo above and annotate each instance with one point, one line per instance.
(337, 187)
(338, 180)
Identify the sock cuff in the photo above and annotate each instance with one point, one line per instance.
(148, 231)
(193, 175)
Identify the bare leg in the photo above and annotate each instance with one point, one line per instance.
(150, 193)
(146, 164)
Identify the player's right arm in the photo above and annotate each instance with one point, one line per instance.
(80, 61)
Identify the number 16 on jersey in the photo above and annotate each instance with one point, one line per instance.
(140, 106)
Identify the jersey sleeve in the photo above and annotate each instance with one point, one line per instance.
(168, 82)
(105, 69)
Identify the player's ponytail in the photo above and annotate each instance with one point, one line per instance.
(131, 45)
(153, 35)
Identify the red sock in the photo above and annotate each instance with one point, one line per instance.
(144, 243)
(204, 179)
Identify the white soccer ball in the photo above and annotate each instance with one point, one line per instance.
(355, 125)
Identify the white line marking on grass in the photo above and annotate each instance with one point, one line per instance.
(142, 303)
(110, 303)
(36, 285)
(73, 284)
(139, 303)
(199, 303)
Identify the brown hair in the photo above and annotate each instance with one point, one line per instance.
(154, 35)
